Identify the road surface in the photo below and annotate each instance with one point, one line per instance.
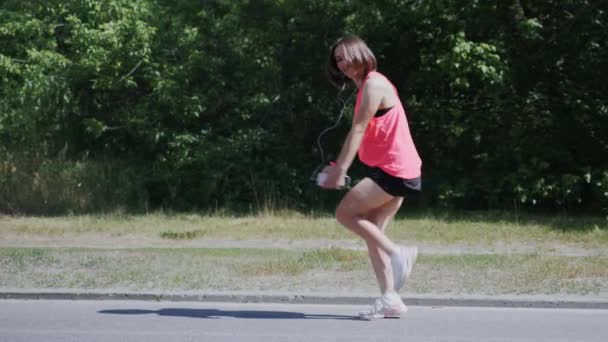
(55, 320)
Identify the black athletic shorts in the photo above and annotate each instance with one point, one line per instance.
(394, 185)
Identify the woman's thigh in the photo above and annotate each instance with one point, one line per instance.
(364, 199)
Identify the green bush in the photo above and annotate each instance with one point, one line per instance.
(30, 183)
(209, 104)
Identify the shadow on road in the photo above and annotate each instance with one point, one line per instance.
(215, 314)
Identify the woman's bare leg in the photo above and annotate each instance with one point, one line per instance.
(382, 216)
(354, 209)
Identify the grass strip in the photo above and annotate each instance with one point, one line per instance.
(449, 228)
(321, 270)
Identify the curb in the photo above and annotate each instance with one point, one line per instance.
(290, 298)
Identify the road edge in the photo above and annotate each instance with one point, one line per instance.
(309, 298)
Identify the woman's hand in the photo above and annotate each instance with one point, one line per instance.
(335, 177)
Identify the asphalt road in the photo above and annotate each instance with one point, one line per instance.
(55, 320)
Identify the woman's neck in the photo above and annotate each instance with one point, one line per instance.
(359, 81)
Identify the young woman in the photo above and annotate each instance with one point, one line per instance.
(381, 137)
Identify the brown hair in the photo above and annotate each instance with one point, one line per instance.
(358, 53)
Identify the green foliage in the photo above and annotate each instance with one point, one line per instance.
(32, 183)
(219, 103)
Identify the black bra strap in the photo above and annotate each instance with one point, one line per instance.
(382, 111)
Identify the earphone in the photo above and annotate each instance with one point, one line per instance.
(318, 176)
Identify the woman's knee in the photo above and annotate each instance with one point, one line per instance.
(344, 216)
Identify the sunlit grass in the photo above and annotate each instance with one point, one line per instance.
(436, 227)
(230, 269)
(323, 259)
(511, 274)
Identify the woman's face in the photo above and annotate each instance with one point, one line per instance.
(342, 62)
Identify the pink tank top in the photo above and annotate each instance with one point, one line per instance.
(387, 142)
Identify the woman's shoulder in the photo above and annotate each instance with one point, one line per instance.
(376, 80)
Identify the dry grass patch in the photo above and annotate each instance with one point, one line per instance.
(331, 269)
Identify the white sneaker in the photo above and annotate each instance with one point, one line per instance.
(402, 263)
(382, 308)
